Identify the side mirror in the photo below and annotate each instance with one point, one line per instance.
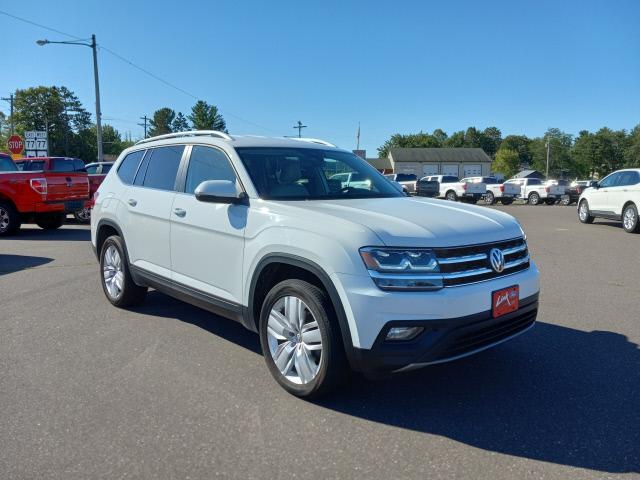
(596, 185)
(220, 191)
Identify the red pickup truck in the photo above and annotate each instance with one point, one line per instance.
(42, 197)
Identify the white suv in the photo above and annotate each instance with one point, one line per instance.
(333, 278)
(615, 197)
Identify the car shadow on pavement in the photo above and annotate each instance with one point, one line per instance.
(15, 263)
(61, 234)
(554, 394)
(161, 305)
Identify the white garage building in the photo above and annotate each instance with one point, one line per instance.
(461, 162)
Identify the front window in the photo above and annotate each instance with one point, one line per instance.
(312, 174)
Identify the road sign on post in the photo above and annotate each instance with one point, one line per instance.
(15, 144)
(37, 143)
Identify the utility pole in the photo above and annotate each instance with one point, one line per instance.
(358, 137)
(145, 119)
(10, 100)
(299, 126)
(98, 111)
(548, 145)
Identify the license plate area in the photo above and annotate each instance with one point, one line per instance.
(505, 301)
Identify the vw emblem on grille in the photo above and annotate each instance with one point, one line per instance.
(496, 257)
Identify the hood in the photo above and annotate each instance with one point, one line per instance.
(422, 222)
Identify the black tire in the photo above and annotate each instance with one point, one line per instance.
(332, 364)
(9, 219)
(565, 200)
(490, 198)
(506, 200)
(451, 196)
(130, 294)
(533, 199)
(51, 221)
(631, 225)
(83, 216)
(585, 217)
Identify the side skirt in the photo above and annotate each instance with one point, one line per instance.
(605, 214)
(206, 301)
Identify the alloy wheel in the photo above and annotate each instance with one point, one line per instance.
(584, 211)
(112, 272)
(295, 341)
(84, 214)
(629, 218)
(4, 220)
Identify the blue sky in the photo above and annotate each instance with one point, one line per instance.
(400, 66)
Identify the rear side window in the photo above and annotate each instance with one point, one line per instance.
(93, 169)
(490, 180)
(129, 166)
(207, 163)
(449, 179)
(406, 177)
(162, 168)
(106, 167)
(534, 181)
(33, 166)
(628, 178)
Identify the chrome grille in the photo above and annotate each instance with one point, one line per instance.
(462, 265)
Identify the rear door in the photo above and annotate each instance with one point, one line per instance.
(207, 239)
(147, 207)
(621, 192)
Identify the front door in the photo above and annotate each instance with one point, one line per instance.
(207, 239)
(599, 198)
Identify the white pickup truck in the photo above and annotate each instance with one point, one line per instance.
(534, 191)
(451, 188)
(504, 192)
(407, 180)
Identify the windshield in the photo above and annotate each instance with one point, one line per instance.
(313, 174)
(7, 165)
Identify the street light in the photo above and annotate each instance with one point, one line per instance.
(91, 45)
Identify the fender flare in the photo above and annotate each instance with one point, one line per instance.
(328, 285)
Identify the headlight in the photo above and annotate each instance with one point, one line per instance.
(402, 268)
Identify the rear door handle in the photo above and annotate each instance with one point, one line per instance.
(132, 202)
(179, 212)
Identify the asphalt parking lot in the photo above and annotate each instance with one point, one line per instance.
(170, 391)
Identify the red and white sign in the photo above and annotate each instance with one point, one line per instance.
(505, 301)
(15, 144)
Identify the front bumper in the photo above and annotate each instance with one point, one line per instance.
(445, 340)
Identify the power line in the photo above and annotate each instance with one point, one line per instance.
(144, 70)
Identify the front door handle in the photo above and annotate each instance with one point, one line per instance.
(132, 202)
(179, 212)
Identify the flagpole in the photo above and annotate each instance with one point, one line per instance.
(358, 137)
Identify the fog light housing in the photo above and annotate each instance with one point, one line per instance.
(403, 333)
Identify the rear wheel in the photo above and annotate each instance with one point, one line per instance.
(489, 198)
(117, 283)
(51, 221)
(451, 195)
(9, 219)
(630, 219)
(534, 198)
(566, 200)
(83, 216)
(583, 212)
(301, 340)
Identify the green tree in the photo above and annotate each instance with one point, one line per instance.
(519, 143)
(560, 161)
(490, 139)
(507, 162)
(632, 150)
(53, 109)
(440, 135)
(161, 123)
(414, 140)
(206, 117)
(180, 123)
(455, 140)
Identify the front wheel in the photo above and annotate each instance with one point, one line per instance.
(51, 221)
(9, 219)
(630, 219)
(83, 216)
(583, 212)
(300, 339)
(451, 196)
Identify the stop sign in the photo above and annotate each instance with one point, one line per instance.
(15, 144)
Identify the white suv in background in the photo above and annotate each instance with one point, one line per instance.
(333, 278)
(615, 197)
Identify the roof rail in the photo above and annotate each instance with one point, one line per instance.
(313, 140)
(189, 133)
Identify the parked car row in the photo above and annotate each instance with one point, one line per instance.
(44, 190)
